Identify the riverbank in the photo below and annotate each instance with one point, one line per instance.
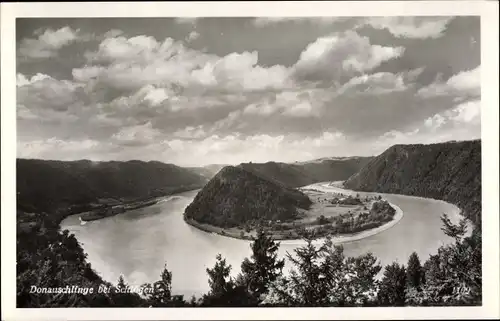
(116, 209)
(455, 216)
(241, 234)
(331, 213)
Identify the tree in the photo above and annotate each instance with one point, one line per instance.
(219, 279)
(160, 293)
(323, 276)
(360, 273)
(263, 267)
(224, 291)
(392, 286)
(456, 231)
(414, 272)
(348, 281)
(453, 276)
(121, 284)
(305, 280)
(123, 297)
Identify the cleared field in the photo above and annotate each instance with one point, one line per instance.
(322, 205)
(328, 211)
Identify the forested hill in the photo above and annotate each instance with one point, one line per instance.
(448, 171)
(305, 173)
(236, 196)
(48, 186)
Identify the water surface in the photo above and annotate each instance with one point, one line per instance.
(138, 243)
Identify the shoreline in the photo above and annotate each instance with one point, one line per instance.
(116, 209)
(454, 215)
(336, 238)
(125, 207)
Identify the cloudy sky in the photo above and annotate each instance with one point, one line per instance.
(227, 90)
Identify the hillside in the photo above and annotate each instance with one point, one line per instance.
(207, 171)
(236, 196)
(305, 173)
(53, 186)
(448, 171)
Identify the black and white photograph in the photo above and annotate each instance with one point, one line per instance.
(193, 162)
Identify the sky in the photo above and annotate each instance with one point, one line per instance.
(199, 91)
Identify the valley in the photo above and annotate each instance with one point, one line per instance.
(119, 245)
(205, 216)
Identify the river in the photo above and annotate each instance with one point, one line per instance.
(138, 243)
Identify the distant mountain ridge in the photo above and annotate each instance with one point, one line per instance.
(207, 171)
(236, 196)
(49, 185)
(333, 158)
(448, 171)
(305, 173)
(52, 185)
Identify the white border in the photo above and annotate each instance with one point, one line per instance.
(488, 10)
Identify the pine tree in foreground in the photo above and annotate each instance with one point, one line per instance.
(393, 286)
(224, 290)
(414, 272)
(263, 267)
(159, 294)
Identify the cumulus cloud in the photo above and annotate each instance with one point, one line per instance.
(23, 81)
(464, 114)
(435, 121)
(465, 83)
(190, 132)
(136, 135)
(296, 103)
(138, 49)
(411, 27)
(157, 95)
(466, 80)
(42, 93)
(193, 35)
(130, 63)
(260, 108)
(378, 83)
(241, 72)
(301, 109)
(468, 112)
(112, 33)
(331, 57)
(152, 98)
(48, 43)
